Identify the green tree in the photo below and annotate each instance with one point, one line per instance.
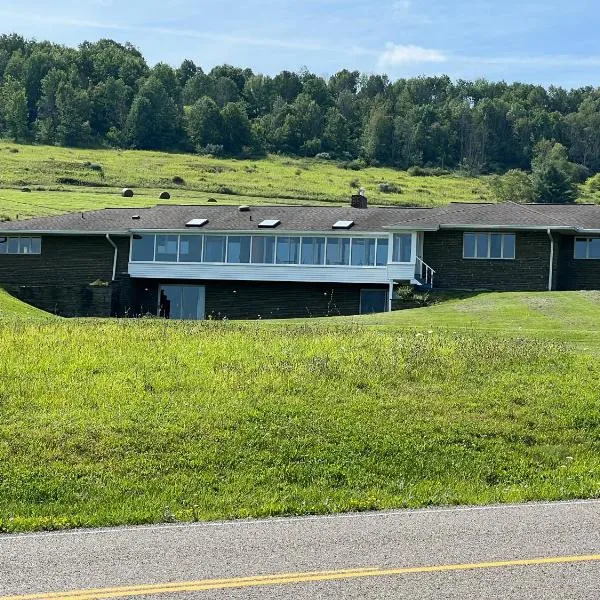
(336, 134)
(154, 121)
(73, 115)
(13, 109)
(236, 128)
(514, 186)
(553, 185)
(378, 136)
(204, 123)
(47, 111)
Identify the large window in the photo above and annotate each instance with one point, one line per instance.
(166, 248)
(489, 245)
(288, 250)
(338, 251)
(255, 249)
(20, 245)
(313, 250)
(402, 249)
(263, 249)
(238, 249)
(190, 248)
(587, 248)
(214, 248)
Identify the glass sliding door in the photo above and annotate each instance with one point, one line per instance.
(181, 302)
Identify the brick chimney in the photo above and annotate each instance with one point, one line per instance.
(359, 200)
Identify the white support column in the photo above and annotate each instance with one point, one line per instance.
(390, 293)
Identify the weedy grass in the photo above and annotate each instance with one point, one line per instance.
(11, 308)
(63, 179)
(113, 422)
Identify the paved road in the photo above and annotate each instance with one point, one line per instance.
(525, 551)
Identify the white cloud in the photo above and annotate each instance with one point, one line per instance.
(396, 54)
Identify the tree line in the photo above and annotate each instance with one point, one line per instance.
(105, 94)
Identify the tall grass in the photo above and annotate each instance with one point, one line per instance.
(105, 423)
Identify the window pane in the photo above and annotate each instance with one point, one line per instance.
(481, 245)
(263, 249)
(13, 245)
(469, 245)
(580, 248)
(363, 252)
(288, 250)
(496, 245)
(36, 245)
(338, 251)
(166, 248)
(3, 245)
(142, 248)
(313, 251)
(190, 248)
(24, 245)
(382, 252)
(402, 247)
(238, 249)
(509, 245)
(594, 248)
(214, 248)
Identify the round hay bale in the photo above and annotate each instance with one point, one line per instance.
(127, 193)
(165, 196)
(25, 189)
(212, 199)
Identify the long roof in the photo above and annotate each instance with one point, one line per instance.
(574, 217)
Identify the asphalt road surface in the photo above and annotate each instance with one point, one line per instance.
(545, 550)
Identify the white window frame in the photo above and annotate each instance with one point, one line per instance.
(587, 241)
(489, 234)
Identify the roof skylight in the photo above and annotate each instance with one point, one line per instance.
(269, 223)
(196, 223)
(343, 224)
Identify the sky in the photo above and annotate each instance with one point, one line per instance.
(550, 42)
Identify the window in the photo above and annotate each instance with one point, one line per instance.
(382, 252)
(263, 249)
(313, 250)
(238, 249)
(587, 248)
(190, 248)
(142, 248)
(363, 252)
(166, 248)
(269, 223)
(214, 248)
(402, 250)
(288, 250)
(343, 224)
(338, 251)
(20, 245)
(489, 245)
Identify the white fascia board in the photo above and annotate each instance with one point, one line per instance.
(584, 230)
(264, 231)
(60, 232)
(409, 228)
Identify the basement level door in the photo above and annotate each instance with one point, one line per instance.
(181, 302)
(373, 301)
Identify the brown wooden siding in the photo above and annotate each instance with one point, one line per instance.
(443, 250)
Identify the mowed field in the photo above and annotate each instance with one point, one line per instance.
(106, 422)
(65, 179)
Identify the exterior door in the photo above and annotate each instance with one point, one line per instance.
(373, 301)
(182, 302)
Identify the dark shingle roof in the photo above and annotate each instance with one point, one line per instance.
(318, 218)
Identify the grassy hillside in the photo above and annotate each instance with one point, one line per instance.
(12, 308)
(107, 422)
(67, 179)
(572, 317)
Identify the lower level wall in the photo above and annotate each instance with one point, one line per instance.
(260, 300)
(576, 274)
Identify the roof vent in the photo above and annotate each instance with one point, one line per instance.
(244, 208)
(197, 223)
(343, 224)
(269, 223)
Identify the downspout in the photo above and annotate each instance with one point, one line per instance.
(551, 269)
(114, 270)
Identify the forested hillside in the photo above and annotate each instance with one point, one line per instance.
(105, 94)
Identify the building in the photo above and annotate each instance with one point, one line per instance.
(234, 262)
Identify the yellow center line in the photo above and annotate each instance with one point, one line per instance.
(287, 578)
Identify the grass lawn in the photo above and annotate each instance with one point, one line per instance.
(135, 421)
(61, 180)
(11, 308)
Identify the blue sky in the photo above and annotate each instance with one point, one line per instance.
(547, 42)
